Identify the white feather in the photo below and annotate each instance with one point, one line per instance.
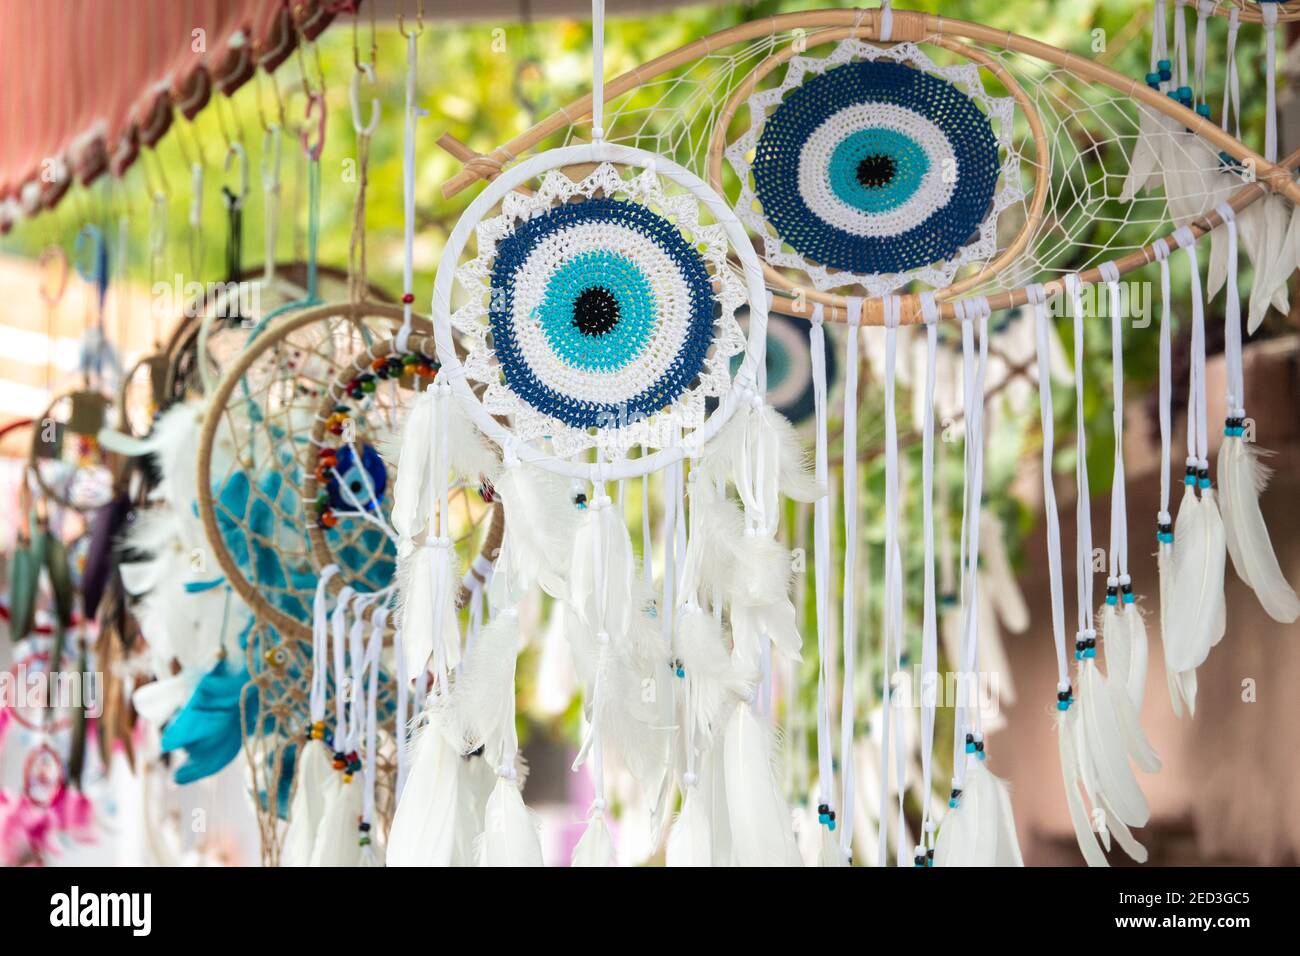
(761, 829)
(1107, 747)
(428, 580)
(424, 826)
(1182, 686)
(509, 836)
(755, 445)
(1242, 479)
(594, 848)
(308, 806)
(1197, 595)
(1066, 729)
(1125, 645)
(337, 840)
(479, 706)
(541, 521)
(690, 843)
(981, 831)
(410, 514)
(711, 679)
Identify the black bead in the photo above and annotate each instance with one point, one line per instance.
(595, 312)
(970, 738)
(823, 808)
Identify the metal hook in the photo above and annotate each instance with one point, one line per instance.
(233, 150)
(355, 95)
(313, 150)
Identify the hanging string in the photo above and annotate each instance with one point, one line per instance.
(338, 626)
(1159, 36)
(1047, 418)
(318, 643)
(1235, 406)
(412, 114)
(822, 570)
(968, 738)
(1083, 508)
(597, 70)
(272, 143)
(848, 697)
(403, 712)
(1164, 521)
(929, 621)
(1268, 10)
(1204, 8)
(1232, 81)
(1118, 577)
(1180, 42)
(369, 751)
(1198, 437)
(893, 604)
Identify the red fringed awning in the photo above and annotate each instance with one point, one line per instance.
(86, 84)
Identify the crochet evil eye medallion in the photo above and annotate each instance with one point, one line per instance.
(600, 311)
(874, 169)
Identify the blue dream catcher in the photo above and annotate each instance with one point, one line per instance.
(872, 167)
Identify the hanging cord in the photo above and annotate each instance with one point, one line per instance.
(1232, 80)
(413, 113)
(272, 150)
(319, 666)
(600, 501)
(403, 728)
(1180, 42)
(1198, 437)
(1235, 406)
(1164, 521)
(822, 570)
(369, 750)
(1204, 8)
(929, 622)
(1047, 418)
(1159, 38)
(357, 244)
(1086, 636)
(598, 70)
(1268, 10)
(338, 628)
(891, 729)
(968, 737)
(849, 624)
(1117, 583)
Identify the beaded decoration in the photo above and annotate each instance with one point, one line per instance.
(601, 313)
(874, 167)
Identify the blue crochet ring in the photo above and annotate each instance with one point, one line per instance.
(876, 169)
(599, 312)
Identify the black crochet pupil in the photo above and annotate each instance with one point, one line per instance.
(595, 312)
(876, 171)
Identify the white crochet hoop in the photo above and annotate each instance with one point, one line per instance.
(453, 368)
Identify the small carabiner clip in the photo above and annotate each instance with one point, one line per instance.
(355, 95)
(315, 103)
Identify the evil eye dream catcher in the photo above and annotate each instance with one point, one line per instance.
(874, 167)
(598, 315)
